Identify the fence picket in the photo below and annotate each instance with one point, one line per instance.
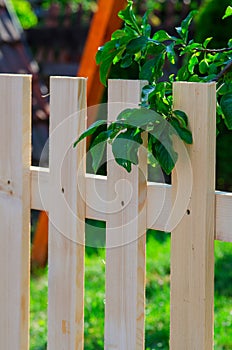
(192, 247)
(125, 237)
(66, 215)
(15, 146)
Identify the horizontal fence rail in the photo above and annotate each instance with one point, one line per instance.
(190, 208)
(156, 192)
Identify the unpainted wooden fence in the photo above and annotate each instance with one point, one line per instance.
(190, 207)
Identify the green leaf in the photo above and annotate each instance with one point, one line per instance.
(99, 55)
(182, 117)
(114, 128)
(129, 18)
(212, 69)
(126, 164)
(229, 43)
(195, 78)
(125, 148)
(105, 57)
(228, 12)
(90, 131)
(126, 61)
(166, 155)
(105, 66)
(140, 117)
(219, 113)
(161, 35)
(118, 57)
(203, 66)
(152, 70)
(146, 28)
(130, 32)
(186, 23)
(179, 31)
(97, 149)
(146, 91)
(155, 48)
(158, 129)
(190, 48)
(226, 106)
(136, 45)
(206, 42)
(192, 63)
(147, 70)
(171, 53)
(225, 88)
(183, 74)
(109, 47)
(119, 33)
(183, 132)
(151, 159)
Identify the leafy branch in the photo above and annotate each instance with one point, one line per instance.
(224, 71)
(134, 46)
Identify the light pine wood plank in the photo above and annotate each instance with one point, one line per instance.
(159, 205)
(125, 237)
(39, 188)
(159, 202)
(66, 214)
(192, 241)
(223, 219)
(15, 146)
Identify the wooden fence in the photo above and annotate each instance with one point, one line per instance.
(129, 205)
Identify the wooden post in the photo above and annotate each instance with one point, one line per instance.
(125, 237)
(15, 157)
(66, 215)
(192, 241)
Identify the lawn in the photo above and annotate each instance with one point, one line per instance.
(157, 294)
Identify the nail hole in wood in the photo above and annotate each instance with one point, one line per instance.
(62, 190)
(122, 203)
(8, 182)
(188, 212)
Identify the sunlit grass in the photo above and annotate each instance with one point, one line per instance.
(157, 295)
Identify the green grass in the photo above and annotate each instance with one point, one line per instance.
(38, 315)
(157, 294)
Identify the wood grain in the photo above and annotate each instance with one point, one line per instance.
(15, 146)
(125, 237)
(159, 202)
(66, 215)
(192, 241)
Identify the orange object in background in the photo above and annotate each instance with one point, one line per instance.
(39, 253)
(104, 23)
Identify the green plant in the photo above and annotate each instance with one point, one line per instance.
(211, 12)
(24, 13)
(134, 46)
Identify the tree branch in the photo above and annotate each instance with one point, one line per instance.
(227, 68)
(225, 49)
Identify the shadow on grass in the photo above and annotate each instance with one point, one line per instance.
(223, 275)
